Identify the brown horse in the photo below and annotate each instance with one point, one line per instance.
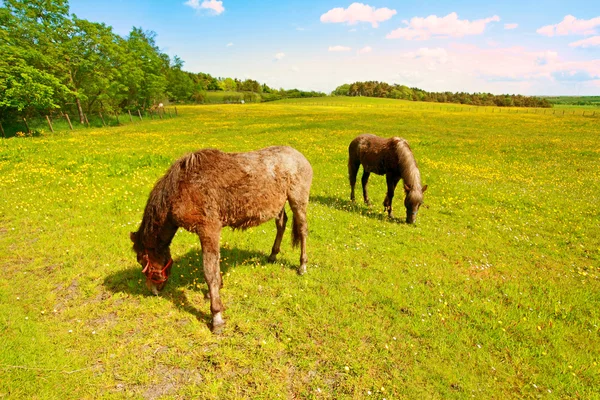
(390, 157)
(207, 190)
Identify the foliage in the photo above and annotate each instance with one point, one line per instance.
(385, 90)
(575, 100)
(493, 294)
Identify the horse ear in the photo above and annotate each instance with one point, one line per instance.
(424, 189)
(132, 236)
(406, 188)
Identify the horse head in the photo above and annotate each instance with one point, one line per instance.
(156, 265)
(412, 201)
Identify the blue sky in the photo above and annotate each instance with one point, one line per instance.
(526, 47)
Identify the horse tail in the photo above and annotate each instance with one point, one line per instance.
(295, 232)
(353, 160)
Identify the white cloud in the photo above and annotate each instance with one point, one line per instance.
(229, 44)
(410, 76)
(358, 12)
(215, 6)
(516, 64)
(593, 41)
(511, 26)
(571, 26)
(279, 56)
(433, 26)
(339, 48)
(366, 49)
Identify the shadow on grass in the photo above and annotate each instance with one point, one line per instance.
(186, 274)
(358, 207)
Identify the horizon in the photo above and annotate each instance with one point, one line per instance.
(499, 48)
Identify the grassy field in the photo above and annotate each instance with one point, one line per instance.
(493, 294)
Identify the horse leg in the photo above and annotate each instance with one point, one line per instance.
(391, 181)
(300, 231)
(364, 181)
(209, 239)
(353, 167)
(280, 223)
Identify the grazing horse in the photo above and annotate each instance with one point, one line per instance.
(390, 157)
(207, 190)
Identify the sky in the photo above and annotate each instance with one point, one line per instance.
(515, 47)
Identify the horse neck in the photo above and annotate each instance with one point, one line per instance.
(156, 233)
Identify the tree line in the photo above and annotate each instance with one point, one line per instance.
(385, 90)
(54, 62)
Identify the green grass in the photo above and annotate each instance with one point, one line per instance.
(219, 97)
(493, 294)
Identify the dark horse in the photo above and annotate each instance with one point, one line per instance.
(207, 190)
(390, 157)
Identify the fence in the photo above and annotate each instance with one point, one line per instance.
(455, 108)
(30, 127)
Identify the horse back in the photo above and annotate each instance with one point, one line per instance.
(377, 155)
(243, 189)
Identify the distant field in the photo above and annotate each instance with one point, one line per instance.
(575, 100)
(231, 97)
(493, 294)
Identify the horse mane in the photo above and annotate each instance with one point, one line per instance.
(408, 165)
(159, 201)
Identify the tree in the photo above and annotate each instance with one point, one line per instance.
(28, 55)
(180, 86)
(144, 70)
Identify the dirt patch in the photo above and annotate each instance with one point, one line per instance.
(168, 380)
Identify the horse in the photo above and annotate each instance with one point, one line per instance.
(390, 157)
(207, 190)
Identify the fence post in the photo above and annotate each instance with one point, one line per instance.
(130, 119)
(2, 129)
(49, 124)
(176, 111)
(69, 121)
(86, 120)
(140, 114)
(28, 130)
(102, 118)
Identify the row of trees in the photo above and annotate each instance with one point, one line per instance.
(52, 61)
(382, 89)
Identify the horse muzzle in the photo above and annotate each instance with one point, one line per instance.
(156, 280)
(411, 218)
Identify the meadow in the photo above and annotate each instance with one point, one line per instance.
(494, 292)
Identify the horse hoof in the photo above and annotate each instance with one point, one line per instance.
(217, 323)
(302, 270)
(217, 329)
(272, 258)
